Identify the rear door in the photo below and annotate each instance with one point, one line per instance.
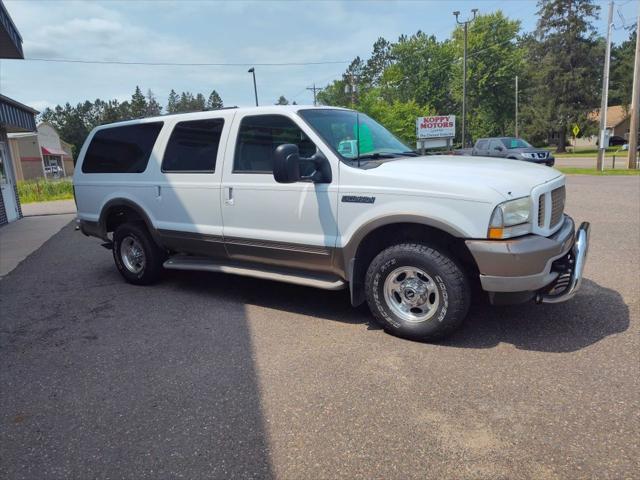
(187, 202)
(496, 148)
(480, 147)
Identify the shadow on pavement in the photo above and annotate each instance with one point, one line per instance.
(592, 315)
(101, 379)
(595, 313)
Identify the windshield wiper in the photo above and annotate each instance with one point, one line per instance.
(410, 153)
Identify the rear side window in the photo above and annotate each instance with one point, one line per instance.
(123, 149)
(481, 145)
(258, 138)
(193, 146)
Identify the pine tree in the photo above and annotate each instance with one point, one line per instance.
(172, 104)
(199, 103)
(138, 105)
(153, 107)
(214, 102)
(564, 68)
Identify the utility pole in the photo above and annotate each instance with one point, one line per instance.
(314, 88)
(351, 88)
(635, 103)
(516, 106)
(605, 94)
(464, 72)
(255, 88)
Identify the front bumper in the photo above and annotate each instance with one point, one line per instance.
(532, 263)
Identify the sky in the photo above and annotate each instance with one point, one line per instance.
(246, 32)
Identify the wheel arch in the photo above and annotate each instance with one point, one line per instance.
(120, 210)
(376, 236)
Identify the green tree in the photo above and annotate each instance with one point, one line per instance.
(172, 104)
(621, 79)
(282, 101)
(153, 107)
(494, 59)
(381, 57)
(138, 104)
(215, 101)
(563, 69)
(421, 71)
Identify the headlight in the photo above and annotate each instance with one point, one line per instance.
(510, 219)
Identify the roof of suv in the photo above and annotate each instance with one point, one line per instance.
(207, 113)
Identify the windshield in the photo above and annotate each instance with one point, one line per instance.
(515, 143)
(340, 130)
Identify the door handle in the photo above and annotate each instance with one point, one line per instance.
(229, 199)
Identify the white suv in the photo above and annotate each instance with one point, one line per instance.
(328, 198)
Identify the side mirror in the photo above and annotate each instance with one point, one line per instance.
(499, 148)
(286, 166)
(286, 163)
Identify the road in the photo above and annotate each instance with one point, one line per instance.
(212, 376)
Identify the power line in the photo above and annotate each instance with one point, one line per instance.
(177, 64)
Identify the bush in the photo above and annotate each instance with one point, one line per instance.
(42, 190)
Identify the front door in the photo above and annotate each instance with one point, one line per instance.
(291, 225)
(6, 183)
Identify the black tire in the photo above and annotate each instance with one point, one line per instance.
(154, 256)
(449, 283)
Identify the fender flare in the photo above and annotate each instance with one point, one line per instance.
(124, 202)
(347, 260)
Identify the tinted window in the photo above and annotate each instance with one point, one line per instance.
(495, 145)
(515, 143)
(258, 138)
(123, 149)
(481, 145)
(193, 146)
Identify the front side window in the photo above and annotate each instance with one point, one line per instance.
(515, 143)
(355, 135)
(124, 149)
(258, 138)
(193, 146)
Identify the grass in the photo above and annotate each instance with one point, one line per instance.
(587, 152)
(593, 171)
(41, 190)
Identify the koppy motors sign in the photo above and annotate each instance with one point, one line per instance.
(436, 126)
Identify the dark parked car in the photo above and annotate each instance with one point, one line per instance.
(617, 140)
(509, 147)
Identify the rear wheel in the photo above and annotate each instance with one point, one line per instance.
(415, 291)
(138, 258)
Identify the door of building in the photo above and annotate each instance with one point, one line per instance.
(6, 183)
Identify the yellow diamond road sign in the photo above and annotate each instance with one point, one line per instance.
(576, 130)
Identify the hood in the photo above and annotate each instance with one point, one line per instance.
(473, 176)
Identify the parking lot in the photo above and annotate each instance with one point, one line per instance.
(213, 376)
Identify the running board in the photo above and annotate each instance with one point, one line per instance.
(205, 264)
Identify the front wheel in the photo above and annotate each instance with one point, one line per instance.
(417, 292)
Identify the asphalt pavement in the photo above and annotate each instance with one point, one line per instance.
(214, 376)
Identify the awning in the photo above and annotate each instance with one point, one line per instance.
(53, 151)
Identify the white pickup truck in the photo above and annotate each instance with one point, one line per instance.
(328, 198)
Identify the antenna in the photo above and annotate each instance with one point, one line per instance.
(358, 136)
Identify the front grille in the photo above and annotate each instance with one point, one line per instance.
(551, 208)
(541, 204)
(557, 205)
